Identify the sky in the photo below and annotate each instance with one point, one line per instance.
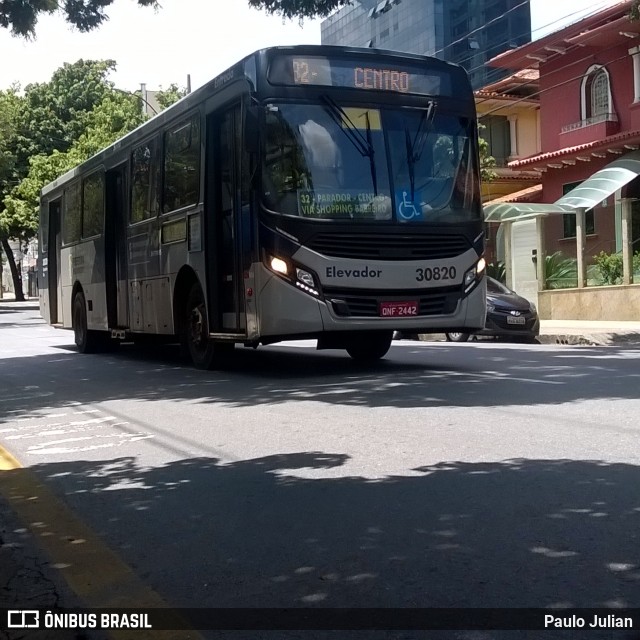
(199, 38)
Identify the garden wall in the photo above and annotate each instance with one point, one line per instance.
(617, 302)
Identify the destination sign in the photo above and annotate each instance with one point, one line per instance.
(358, 73)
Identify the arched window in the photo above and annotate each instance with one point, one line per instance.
(596, 94)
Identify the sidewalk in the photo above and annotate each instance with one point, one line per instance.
(587, 332)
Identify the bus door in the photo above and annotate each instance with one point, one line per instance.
(116, 248)
(228, 248)
(51, 270)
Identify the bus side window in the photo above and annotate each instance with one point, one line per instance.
(143, 180)
(182, 165)
(92, 205)
(71, 216)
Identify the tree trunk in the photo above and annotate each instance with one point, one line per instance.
(15, 272)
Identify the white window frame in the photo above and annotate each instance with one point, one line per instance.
(586, 96)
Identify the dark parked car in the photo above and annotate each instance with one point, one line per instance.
(508, 316)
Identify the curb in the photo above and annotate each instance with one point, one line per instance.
(596, 339)
(592, 339)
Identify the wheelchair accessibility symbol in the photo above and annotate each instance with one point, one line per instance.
(407, 209)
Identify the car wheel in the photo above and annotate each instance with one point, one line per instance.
(457, 336)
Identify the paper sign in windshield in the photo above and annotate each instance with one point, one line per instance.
(343, 204)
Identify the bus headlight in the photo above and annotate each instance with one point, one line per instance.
(474, 274)
(303, 278)
(306, 282)
(279, 265)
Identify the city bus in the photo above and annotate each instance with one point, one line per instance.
(308, 192)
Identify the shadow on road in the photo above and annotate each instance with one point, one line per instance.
(286, 530)
(413, 375)
(258, 533)
(425, 375)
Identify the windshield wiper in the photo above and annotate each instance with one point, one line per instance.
(411, 163)
(424, 128)
(416, 146)
(363, 145)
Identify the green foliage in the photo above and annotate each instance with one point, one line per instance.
(634, 11)
(9, 104)
(170, 95)
(609, 266)
(487, 162)
(299, 8)
(52, 128)
(117, 114)
(560, 272)
(497, 271)
(21, 16)
(54, 114)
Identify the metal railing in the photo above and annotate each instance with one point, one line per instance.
(581, 124)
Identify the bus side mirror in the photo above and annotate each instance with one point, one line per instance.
(251, 129)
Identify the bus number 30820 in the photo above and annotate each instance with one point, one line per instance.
(430, 274)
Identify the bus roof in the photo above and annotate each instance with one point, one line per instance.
(241, 70)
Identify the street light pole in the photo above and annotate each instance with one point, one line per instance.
(140, 97)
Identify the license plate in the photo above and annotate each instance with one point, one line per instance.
(398, 309)
(516, 320)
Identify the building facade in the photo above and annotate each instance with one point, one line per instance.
(509, 115)
(589, 159)
(467, 32)
(589, 116)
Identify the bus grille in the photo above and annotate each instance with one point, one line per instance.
(390, 246)
(354, 302)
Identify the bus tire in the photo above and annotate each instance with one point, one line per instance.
(200, 347)
(86, 341)
(368, 347)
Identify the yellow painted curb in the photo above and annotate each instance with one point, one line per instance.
(94, 572)
(7, 461)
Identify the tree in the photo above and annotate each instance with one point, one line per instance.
(299, 8)
(115, 116)
(9, 106)
(21, 16)
(9, 102)
(53, 114)
(487, 161)
(53, 127)
(173, 93)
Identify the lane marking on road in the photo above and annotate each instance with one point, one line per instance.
(94, 572)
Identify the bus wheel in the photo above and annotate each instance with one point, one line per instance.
(201, 348)
(86, 341)
(369, 346)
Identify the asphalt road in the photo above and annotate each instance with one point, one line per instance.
(447, 475)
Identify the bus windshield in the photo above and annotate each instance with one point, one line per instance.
(343, 162)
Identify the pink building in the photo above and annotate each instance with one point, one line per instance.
(589, 118)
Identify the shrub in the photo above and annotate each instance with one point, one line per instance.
(560, 272)
(610, 267)
(497, 271)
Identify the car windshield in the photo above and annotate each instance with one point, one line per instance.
(331, 161)
(493, 286)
